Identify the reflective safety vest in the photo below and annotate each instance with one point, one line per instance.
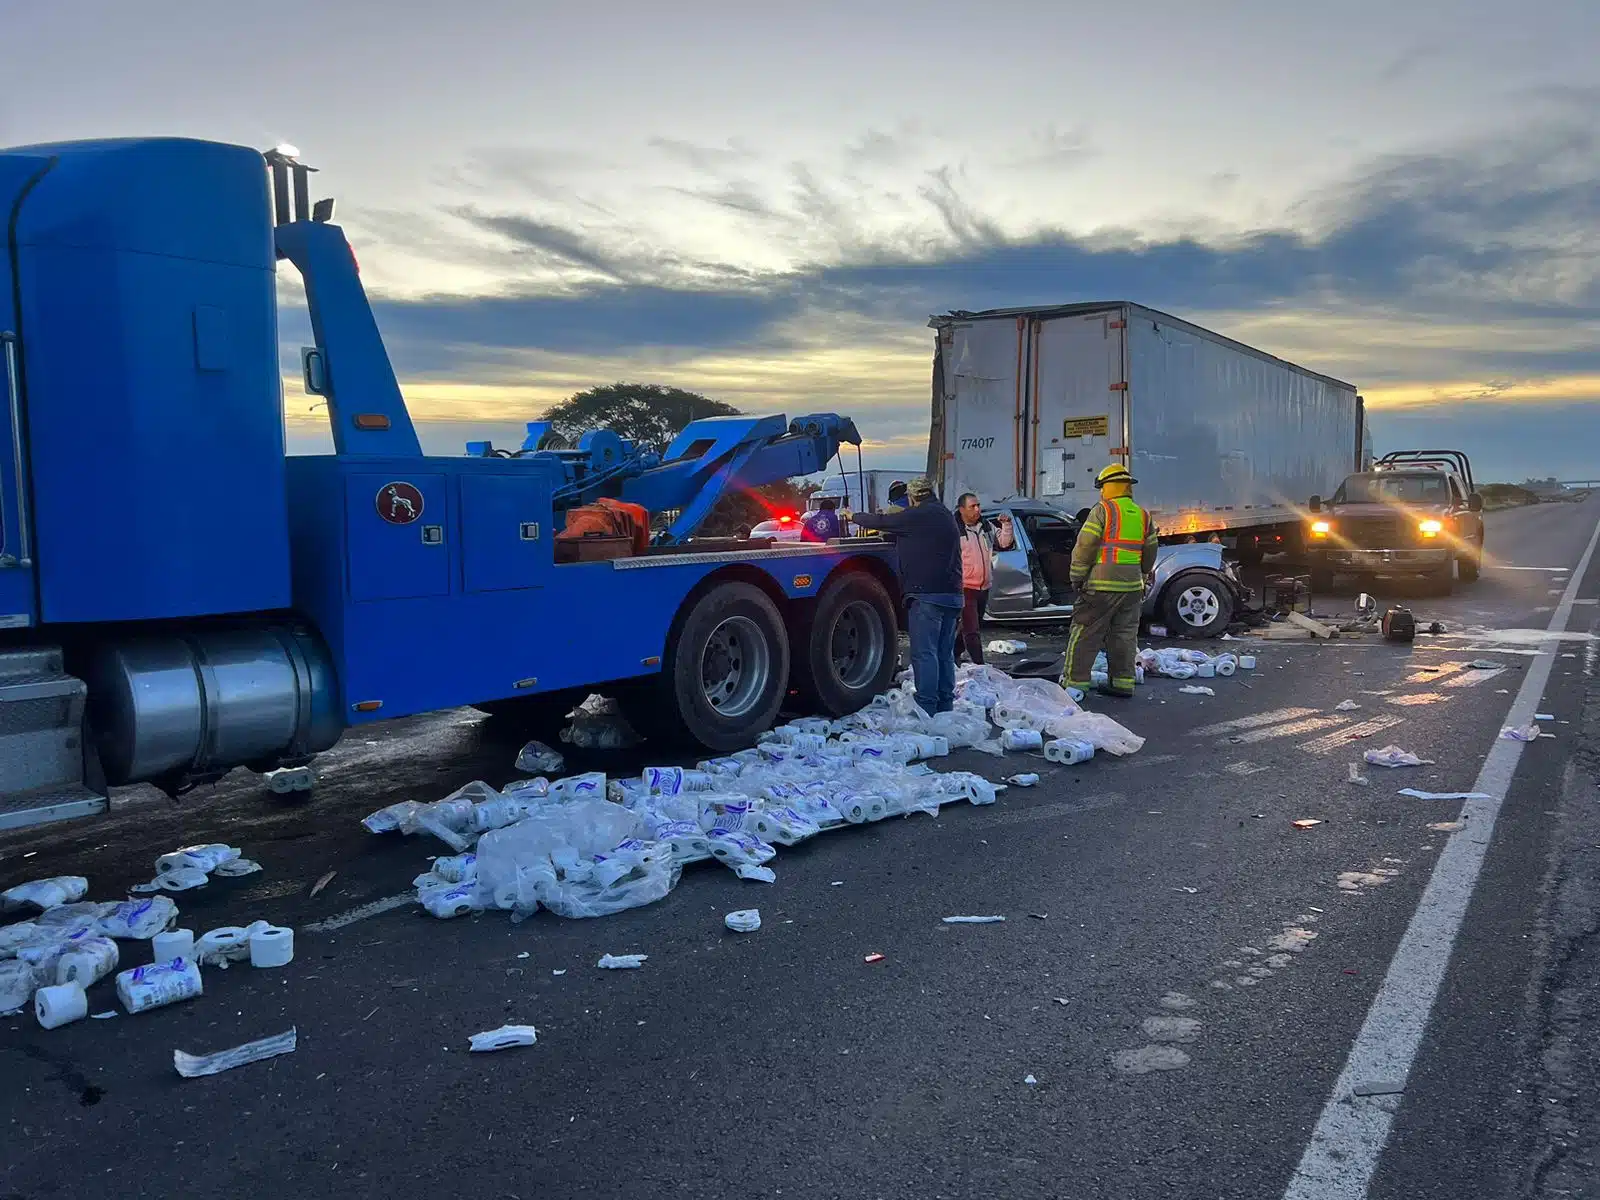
(1116, 547)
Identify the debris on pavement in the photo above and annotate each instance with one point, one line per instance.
(1416, 795)
(536, 758)
(1029, 1080)
(1393, 756)
(1485, 664)
(562, 971)
(60, 1004)
(973, 920)
(1193, 690)
(599, 724)
(1521, 733)
(1544, 716)
(1379, 1087)
(621, 962)
(1356, 777)
(272, 946)
(1305, 823)
(44, 894)
(157, 984)
(758, 873)
(1027, 780)
(874, 958)
(1068, 752)
(323, 881)
(1448, 826)
(503, 1038)
(1005, 646)
(192, 866)
(1346, 706)
(191, 1066)
(745, 920)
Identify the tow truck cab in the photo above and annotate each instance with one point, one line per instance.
(1417, 512)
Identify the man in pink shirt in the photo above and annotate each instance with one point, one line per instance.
(977, 571)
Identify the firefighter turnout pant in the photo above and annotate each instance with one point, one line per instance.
(1106, 621)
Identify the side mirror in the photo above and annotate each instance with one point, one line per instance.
(1316, 504)
(1474, 503)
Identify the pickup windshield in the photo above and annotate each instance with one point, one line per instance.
(1387, 488)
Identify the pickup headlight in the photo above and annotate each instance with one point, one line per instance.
(1320, 528)
(1430, 528)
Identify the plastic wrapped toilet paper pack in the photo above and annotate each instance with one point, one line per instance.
(204, 859)
(44, 894)
(90, 960)
(138, 920)
(143, 988)
(17, 985)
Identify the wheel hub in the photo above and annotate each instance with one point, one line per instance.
(734, 667)
(1198, 606)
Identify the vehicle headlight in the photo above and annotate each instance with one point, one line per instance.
(1430, 528)
(1320, 528)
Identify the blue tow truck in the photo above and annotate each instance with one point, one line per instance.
(178, 597)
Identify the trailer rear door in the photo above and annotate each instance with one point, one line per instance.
(983, 365)
(1077, 402)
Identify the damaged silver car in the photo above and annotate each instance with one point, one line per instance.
(1193, 591)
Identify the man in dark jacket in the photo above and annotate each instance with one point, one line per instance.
(929, 547)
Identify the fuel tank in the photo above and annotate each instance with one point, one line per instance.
(192, 704)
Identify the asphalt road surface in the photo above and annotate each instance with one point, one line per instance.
(1157, 974)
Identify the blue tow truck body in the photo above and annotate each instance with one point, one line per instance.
(179, 598)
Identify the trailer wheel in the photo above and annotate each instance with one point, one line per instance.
(1197, 604)
(724, 676)
(845, 652)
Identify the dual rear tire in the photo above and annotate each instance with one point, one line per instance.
(731, 660)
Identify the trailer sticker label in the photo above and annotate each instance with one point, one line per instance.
(399, 503)
(1086, 427)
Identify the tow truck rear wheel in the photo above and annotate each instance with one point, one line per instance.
(724, 675)
(844, 653)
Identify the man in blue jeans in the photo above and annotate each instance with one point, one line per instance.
(929, 547)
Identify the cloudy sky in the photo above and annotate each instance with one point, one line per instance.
(766, 202)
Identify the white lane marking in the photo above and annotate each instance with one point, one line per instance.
(1309, 725)
(377, 907)
(1246, 768)
(1266, 718)
(1351, 1132)
(1329, 742)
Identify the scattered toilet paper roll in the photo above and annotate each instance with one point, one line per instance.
(60, 1005)
(1068, 751)
(228, 944)
(89, 961)
(746, 920)
(1226, 665)
(1247, 662)
(143, 988)
(175, 943)
(1206, 670)
(271, 947)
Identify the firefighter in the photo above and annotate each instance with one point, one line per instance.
(1115, 551)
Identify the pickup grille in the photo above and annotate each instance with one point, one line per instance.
(1374, 533)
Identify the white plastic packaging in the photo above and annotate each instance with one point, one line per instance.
(272, 947)
(204, 859)
(1022, 739)
(219, 947)
(392, 819)
(1247, 662)
(138, 919)
(1206, 670)
(503, 1038)
(44, 894)
(60, 1005)
(456, 868)
(589, 786)
(90, 960)
(621, 962)
(745, 920)
(17, 984)
(156, 984)
(12, 936)
(450, 900)
(536, 758)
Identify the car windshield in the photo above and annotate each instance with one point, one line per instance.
(1384, 488)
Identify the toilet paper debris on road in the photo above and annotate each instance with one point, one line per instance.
(191, 1066)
